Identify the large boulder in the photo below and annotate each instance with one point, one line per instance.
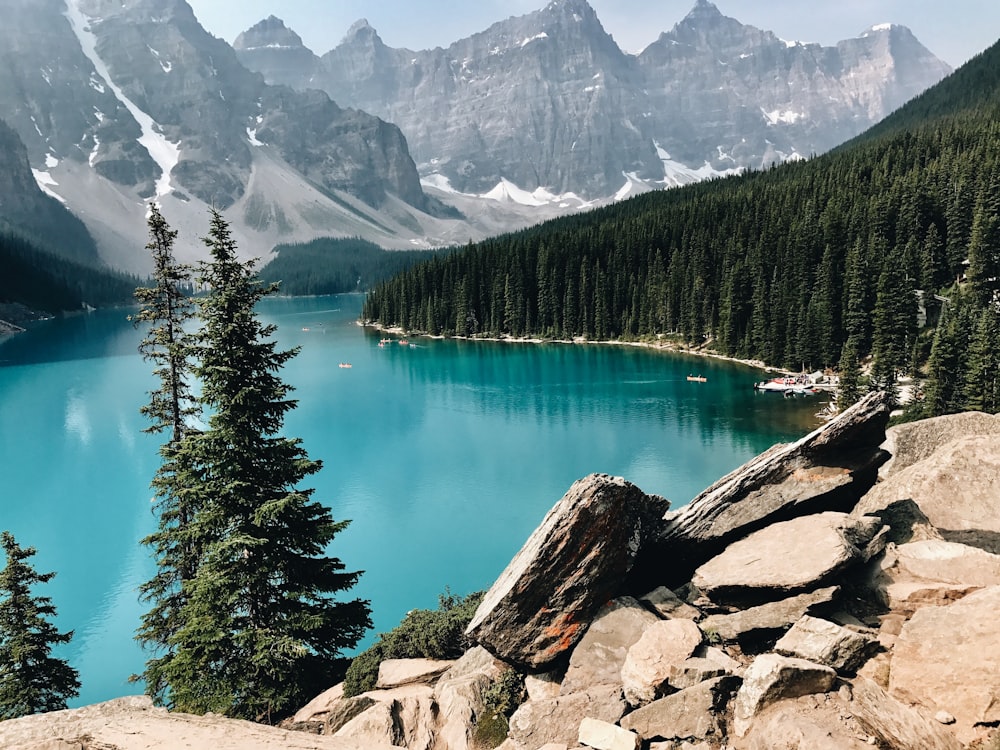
(788, 558)
(405, 716)
(579, 558)
(955, 488)
(829, 469)
(912, 442)
(826, 643)
(601, 653)
(659, 653)
(762, 622)
(771, 678)
(948, 659)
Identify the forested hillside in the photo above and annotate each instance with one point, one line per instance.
(801, 265)
(337, 265)
(38, 280)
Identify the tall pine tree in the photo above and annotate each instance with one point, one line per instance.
(260, 631)
(31, 679)
(166, 308)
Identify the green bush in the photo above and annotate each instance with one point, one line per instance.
(423, 634)
(500, 699)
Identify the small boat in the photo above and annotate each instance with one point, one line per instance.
(345, 365)
(697, 379)
(403, 342)
(383, 342)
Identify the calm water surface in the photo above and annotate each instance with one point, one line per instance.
(445, 455)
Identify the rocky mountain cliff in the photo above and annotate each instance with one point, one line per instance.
(121, 102)
(27, 211)
(796, 603)
(548, 104)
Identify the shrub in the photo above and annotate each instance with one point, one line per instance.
(423, 634)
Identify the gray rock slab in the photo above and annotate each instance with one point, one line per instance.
(393, 673)
(669, 605)
(787, 558)
(812, 722)
(694, 714)
(602, 735)
(599, 657)
(826, 643)
(896, 726)
(772, 677)
(764, 621)
(578, 559)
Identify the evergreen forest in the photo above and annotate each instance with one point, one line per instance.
(337, 265)
(40, 280)
(841, 259)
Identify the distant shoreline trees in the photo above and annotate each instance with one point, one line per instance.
(243, 622)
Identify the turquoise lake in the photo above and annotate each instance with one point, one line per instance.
(445, 454)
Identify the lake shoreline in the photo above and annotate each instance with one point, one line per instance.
(663, 346)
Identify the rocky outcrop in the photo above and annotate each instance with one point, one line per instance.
(829, 469)
(912, 442)
(946, 660)
(657, 656)
(788, 558)
(772, 678)
(955, 488)
(574, 563)
(826, 643)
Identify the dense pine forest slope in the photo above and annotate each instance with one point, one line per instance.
(39, 280)
(802, 265)
(335, 266)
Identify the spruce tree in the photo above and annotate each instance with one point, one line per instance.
(849, 390)
(167, 308)
(31, 679)
(261, 633)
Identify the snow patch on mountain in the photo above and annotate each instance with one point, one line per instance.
(46, 183)
(786, 116)
(676, 174)
(165, 153)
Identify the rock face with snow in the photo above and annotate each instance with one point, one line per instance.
(120, 102)
(549, 101)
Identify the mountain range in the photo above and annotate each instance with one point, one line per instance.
(121, 101)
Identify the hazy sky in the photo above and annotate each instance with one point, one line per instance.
(954, 30)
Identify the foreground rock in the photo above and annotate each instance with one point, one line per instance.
(788, 558)
(771, 678)
(955, 488)
(825, 643)
(558, 720)
(760, 623)
(829, 469)
(948, 659)
(579, 558)
(912, 442)
(659, 654)
(931, 572)
(135, 724)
